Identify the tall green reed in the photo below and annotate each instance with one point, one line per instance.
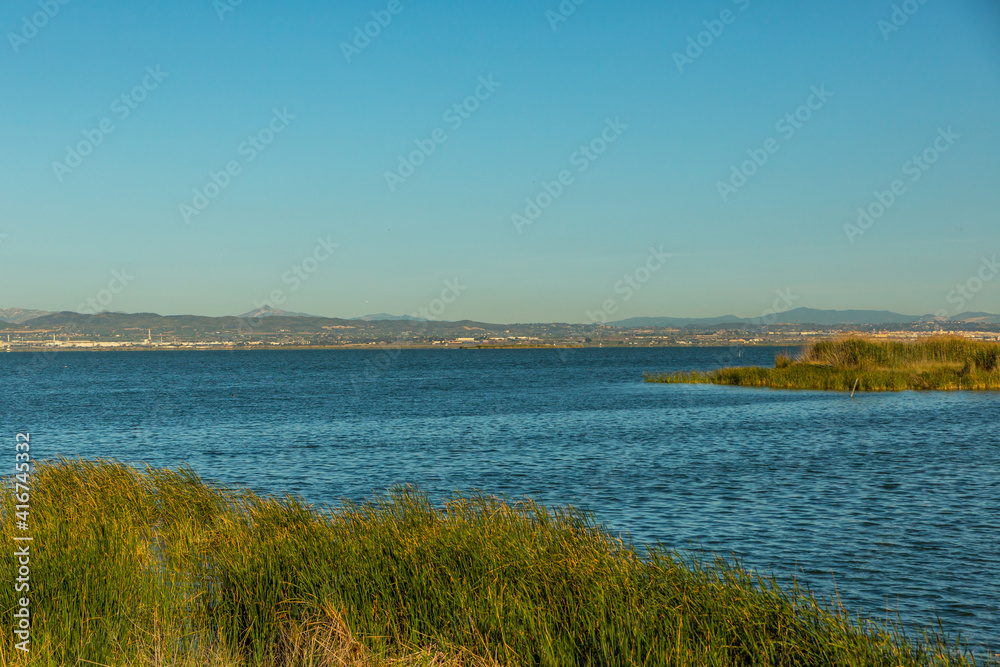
(157, 567)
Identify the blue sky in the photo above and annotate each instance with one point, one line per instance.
(227, 76)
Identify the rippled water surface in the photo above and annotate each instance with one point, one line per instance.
(894, 497)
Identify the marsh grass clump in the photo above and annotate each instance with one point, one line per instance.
(782, 360)
(939, 363)
(156, 567)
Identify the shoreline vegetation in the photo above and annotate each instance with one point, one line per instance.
(157, 567)
(944, 363)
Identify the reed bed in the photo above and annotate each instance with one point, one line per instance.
(854, 364)
(157, 567)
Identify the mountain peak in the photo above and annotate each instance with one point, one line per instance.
(20, 315)
(268, 311)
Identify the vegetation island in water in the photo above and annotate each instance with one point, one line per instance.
(943, 363)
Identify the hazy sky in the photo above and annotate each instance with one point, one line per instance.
(738, 137)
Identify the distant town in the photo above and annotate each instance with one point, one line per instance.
(22, 330)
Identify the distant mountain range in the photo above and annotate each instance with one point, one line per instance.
(189, 327)
(280, 319)
(21, 315)
(807, 316)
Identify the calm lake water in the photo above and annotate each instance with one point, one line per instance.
(892, 498)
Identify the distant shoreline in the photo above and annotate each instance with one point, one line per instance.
(798, 342)
(270, 348)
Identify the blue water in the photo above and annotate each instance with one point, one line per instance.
(891, 500)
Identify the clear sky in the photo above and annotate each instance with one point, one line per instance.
(114, 114)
